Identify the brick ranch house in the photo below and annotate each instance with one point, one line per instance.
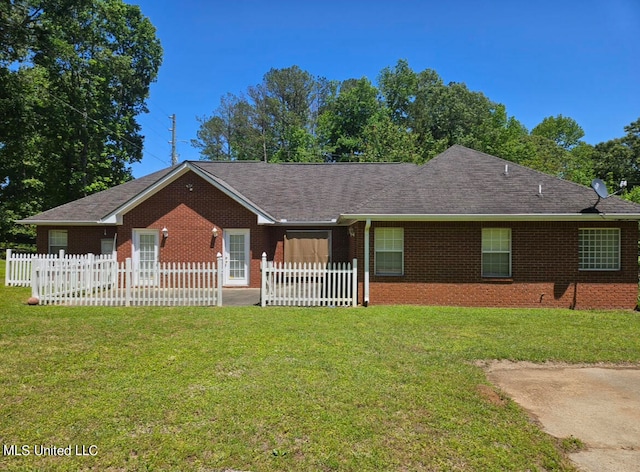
(466, 228)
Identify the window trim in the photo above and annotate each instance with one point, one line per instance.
(64, 247)
(376, 251)
(509, 252)
(600, 268)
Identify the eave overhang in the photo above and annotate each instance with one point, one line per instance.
(352, 218)
(332, 222)
(63, 223)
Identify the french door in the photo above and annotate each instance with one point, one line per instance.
(145, 256)
(236, 257)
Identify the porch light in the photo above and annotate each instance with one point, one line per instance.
(352, 231)
(215, 231)
(165, 232)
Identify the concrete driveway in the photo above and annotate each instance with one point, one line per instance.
(600, 405)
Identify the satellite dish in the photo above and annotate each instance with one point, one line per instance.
(600, 187)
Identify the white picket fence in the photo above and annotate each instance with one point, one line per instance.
(287, 284)
(109, 283)
(18, 267)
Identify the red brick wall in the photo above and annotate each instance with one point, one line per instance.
(80, 239)
(189, 216)
(442, 266)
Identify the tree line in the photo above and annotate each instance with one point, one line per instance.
(74, 75)
(408, 116)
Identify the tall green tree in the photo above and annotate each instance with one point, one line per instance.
(289, 94)
(347, 114)
(564, 131)
(229, 134)
(554, 146)
(398, 87)
(439, 115)
(619, 159)
(74, 74)
(276, 121)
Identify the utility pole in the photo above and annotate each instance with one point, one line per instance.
(174, 155)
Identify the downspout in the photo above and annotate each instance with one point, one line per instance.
(367, 227)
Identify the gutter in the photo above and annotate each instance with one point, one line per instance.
(492, 217)
(367, 227)
(331, 223)
(63, 223)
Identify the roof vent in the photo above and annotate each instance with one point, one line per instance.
(539, 190)
(506, 170)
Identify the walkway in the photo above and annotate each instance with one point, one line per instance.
(240, 296)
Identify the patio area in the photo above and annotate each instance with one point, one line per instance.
(240, 297)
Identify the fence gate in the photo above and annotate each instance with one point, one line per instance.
(317, 284)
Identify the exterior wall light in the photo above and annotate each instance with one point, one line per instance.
(215, 231)
(165, 232)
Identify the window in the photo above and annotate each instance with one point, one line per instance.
(107, 246)
(307, 246)
(496, 252)
(599, 249)
(389, 251)
(57, 240)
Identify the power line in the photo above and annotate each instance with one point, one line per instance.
(102, 125)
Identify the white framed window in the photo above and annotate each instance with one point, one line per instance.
(107, 246)
(389, 251)
(599, 249)
(496, 252)
(57, 240)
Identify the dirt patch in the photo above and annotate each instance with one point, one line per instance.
(489, 394)
(598, 404)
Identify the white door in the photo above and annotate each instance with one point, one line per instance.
(236, 257)
(145, 256)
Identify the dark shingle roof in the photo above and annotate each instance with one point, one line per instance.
(460, 181)
(96, 206)
(308, 192)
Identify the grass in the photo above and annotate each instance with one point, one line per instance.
(251, 389)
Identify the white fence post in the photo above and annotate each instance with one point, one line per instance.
(219, 275)
(35, 287)
(128, 275)
(354, 279)
(263, 282)
(88, 272)
(7, 268)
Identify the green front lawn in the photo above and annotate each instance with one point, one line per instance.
(251, 389)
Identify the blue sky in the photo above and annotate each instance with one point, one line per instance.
(539, 58)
